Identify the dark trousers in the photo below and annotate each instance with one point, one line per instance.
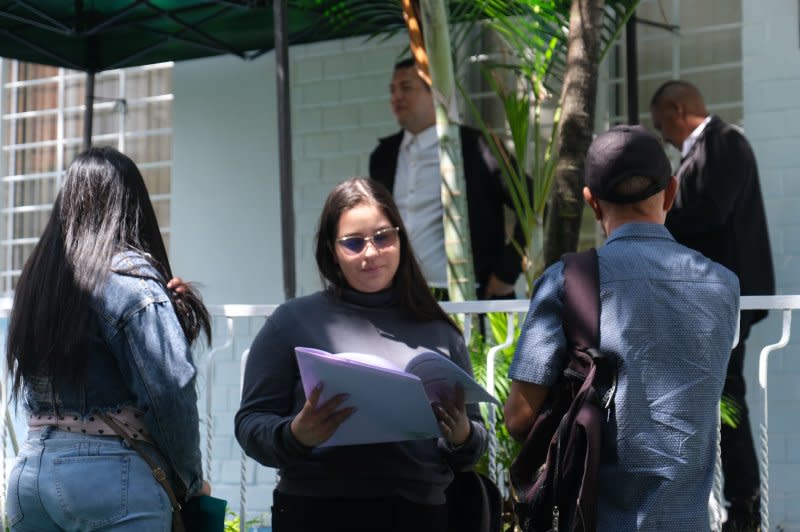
(291, 513)
(739, 461)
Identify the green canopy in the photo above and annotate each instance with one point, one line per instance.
(96, 35)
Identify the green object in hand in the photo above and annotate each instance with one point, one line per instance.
(204, 514)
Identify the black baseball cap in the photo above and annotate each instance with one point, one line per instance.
(623, 152)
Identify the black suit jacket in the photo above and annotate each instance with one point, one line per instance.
(486, 195)
(719, 211)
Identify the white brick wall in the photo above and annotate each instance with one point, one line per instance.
(340, 107)
(771, 74)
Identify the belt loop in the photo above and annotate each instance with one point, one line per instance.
(45, 435)
(84, 410)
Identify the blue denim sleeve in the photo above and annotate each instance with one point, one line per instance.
(163, 380)
(540, 355)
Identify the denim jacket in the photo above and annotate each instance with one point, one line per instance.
(139, 357)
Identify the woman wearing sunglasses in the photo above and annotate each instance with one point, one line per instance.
(375, 301)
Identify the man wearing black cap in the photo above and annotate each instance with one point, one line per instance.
(668, 315)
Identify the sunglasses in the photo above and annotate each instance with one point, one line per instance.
(382, 239)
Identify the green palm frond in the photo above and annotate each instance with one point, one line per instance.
(343, 18)
(730, 411)
(536, 31)
(379, 17)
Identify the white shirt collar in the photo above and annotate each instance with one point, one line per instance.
(690, 141)
(425, 138)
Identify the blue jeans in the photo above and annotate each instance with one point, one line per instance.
(76, 482)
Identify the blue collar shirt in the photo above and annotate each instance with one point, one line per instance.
(668, 315)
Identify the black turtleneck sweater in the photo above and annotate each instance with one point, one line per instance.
(272, 395)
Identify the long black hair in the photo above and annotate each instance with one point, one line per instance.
(103, 208)
(409, 284)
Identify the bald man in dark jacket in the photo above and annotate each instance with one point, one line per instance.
(719, 211)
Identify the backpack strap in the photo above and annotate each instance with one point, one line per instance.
(581, 322)
(555, 472)
(581, 313)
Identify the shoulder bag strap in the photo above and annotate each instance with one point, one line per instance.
(158, 472)
(581, 313)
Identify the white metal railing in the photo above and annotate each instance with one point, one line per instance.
(231, 313)
(469, 309)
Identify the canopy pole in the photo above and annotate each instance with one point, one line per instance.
(632, 70)
(285, 146)
(88, 114)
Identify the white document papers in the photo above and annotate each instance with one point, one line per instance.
(392, 404)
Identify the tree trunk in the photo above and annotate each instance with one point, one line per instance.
(578, 96)
(460, 271)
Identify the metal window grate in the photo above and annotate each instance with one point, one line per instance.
(41, 123)
(705, 48)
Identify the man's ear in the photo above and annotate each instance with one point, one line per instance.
(674, 109)
(593, 203)
(670, 192)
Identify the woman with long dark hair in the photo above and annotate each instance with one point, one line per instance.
(96, 334)
(375, 301)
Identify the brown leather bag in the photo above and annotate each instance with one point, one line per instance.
(474, 503)
(555, 474)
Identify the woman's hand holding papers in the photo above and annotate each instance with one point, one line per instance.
(316, 423)
(452, 415)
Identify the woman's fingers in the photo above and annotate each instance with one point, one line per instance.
(313, 398)
(443, 414)
(328, 422)
(176, 284)
(332, 404)
(459, 397)
(452, 416)
(332, 423)
(316, 423)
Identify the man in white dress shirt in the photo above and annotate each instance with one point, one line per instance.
(407, 163)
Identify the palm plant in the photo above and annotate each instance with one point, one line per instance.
(535, 38)
(529, 175)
